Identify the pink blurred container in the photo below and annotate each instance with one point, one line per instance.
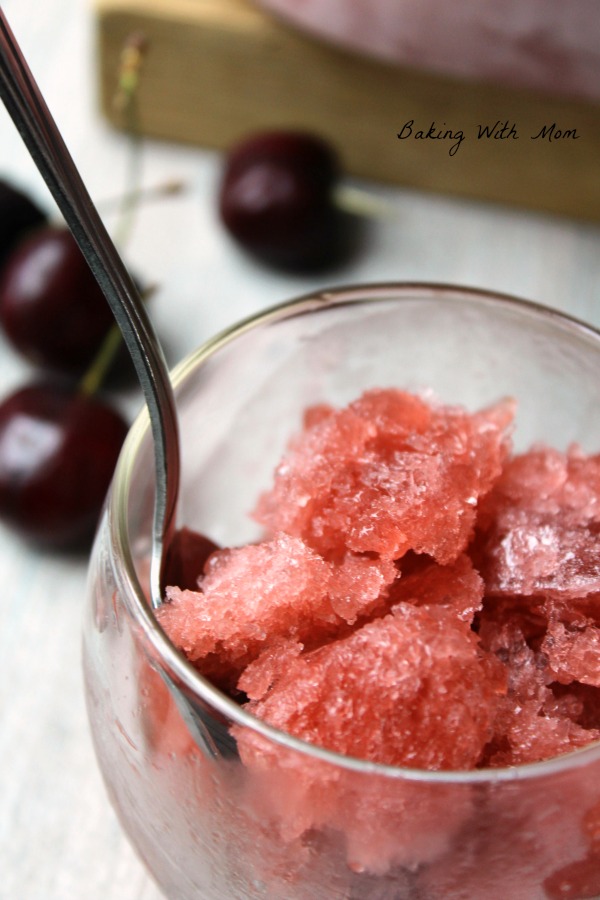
(547, 45)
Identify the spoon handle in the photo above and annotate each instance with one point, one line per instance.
(36, 125)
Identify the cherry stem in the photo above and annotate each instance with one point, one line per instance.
(360, 202)
(169, 188)
(96, 373)
(125, 99)
(132, 58)
(144, 194)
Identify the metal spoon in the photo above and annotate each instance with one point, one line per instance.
(36, 125)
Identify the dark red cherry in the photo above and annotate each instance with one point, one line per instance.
(58, 450)
(187, 553)
(18, 215)
(51, 307)
(276, 199)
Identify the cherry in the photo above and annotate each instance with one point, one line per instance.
(276, 199)
(58, 450)
(18, 215)
(187, 553)
(51, 307)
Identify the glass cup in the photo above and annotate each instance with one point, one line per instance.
(217, 803)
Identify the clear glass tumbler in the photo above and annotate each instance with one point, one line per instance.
(219, 805)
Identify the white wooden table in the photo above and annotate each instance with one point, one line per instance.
(59, 839)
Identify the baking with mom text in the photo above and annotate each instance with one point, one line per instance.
(498, 131)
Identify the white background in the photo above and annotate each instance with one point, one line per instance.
(59, 839)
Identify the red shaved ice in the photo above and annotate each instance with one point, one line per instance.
(409, 689)
(388, 474)
(420, 598)
(541, 524)
(457, 586)
(573, 652)
(281, 588)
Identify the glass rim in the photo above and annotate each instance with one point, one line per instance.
(175, 663)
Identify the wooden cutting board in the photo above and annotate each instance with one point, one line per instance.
(218, 69)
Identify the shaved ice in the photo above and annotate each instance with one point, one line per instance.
(387, 474)
(421, 596)
(378, 692)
